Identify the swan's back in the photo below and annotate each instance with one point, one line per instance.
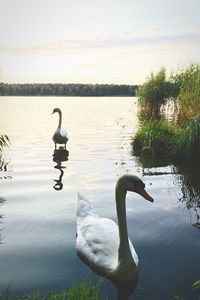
(84, 209)
(60, 136)
(97, 238)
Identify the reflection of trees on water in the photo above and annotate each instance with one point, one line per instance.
(60, 155)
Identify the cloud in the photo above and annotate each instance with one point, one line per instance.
(109, 41)
(112, 41)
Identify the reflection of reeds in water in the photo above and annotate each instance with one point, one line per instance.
(4, 167)
(190, 187)
(1, 216)
(4, 164)
(4, 141)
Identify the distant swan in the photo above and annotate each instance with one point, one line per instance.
(103, 245)
(60, 135)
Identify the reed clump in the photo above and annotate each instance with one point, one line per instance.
(164, 139)
(159, 139)
(188, 86)
(186, 143)
(154, 93)
(154, 138)
(86, 290)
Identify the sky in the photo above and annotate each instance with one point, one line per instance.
(96, 41)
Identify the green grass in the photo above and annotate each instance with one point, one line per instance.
(188, 100)
(154, 93)
(183, 87)
(153, 139)
(186, 143)
(161, 140)
(86, 290)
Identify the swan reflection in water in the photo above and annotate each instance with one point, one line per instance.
(60, 155)
(2, 200)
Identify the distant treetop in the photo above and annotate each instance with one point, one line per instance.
(59, 89)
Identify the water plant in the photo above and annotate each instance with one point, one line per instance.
(195, 286)
(183, 87)
(187, 82)
(161, 139)
(153, 139)
(86, 290)
(154, 93)
(186, 143)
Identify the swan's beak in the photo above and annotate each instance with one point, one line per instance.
(144, 194)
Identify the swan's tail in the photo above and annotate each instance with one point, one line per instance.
(84, 208)
(81, 197)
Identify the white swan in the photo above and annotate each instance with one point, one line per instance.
(60, 135)
(103, 245)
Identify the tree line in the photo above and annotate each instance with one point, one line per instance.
(58, 89)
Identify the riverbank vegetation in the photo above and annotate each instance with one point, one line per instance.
(58, 89)
(154, 93)
(86, 290)
(170, 139)
(173, 143)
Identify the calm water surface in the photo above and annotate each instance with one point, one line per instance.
(38, 213)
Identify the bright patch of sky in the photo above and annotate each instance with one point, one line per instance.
(96, 41)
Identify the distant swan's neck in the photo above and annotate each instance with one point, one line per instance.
(60, 119)
(125, 255)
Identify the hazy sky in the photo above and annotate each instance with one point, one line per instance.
(96, 41)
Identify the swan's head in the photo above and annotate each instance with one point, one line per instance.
(133, 183)
(58, 110)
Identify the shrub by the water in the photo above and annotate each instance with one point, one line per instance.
(188, 100)
(154, 138)
(186, 143)
(160, 139)
(154, 93)
(183, 87)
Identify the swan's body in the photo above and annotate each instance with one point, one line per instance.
(60, 135)
(103, 245)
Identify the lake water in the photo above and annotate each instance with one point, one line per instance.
(38, 213)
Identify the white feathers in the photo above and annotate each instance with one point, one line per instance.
(103, 245)
(97, 238)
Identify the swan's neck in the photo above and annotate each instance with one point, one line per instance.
(125, 255)
(60, 119)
